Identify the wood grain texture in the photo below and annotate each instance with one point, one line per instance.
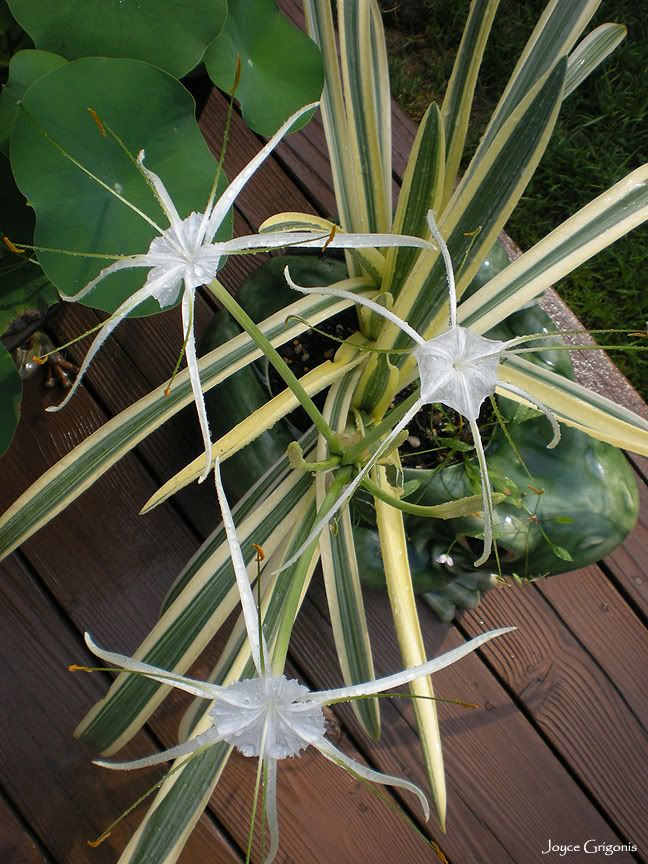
(572, 701)
(494, 813)
(49, 776)
(16, 846)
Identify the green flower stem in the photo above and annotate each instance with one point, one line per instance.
(223, 295)
(449, 510)
(353, 454)
(291, 601)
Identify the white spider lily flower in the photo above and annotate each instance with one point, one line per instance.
(458, 369)
(185, 256)
(270, 716)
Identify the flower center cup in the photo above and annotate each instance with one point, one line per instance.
(268, 717)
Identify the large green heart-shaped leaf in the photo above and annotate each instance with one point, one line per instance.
(25, 68)
(147, 109)
(22, 284)
(165, 33)
(10, 391)
(281, 68)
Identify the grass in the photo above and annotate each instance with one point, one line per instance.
(601, 135)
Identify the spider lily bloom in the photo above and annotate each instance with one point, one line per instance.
(185, 256)
(270, 716)
(457, 369)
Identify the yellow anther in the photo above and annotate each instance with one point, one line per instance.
(41, 361)
(330, 238)
(99, 840)
(11, 246)
(237, 74)
(98, 123)
(74, 667)
(260, 556)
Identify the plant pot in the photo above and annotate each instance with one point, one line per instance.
(579, 503)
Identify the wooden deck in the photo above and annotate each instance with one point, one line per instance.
(556, 751)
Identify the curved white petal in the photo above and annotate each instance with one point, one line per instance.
(198, 743)
(194, 377)
(250, 613)
(160, 190)
(222, 206)
(271, 811)
(196, 688)
(278, 239)
(487, 495)
(348, 491)
(551, 417)
(122, 264)
(369, 688)
(434, 230)
(363, 301)
(135, 300)
(339, 758)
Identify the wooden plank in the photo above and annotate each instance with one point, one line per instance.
(507, 792)
(572, 701)
(606, 627)
(65, 799)
(16, 846)
(119, 614)
(629, 563)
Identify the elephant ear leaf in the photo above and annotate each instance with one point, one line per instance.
(25, 68)
(10, 393)
(280, 68)
(84, 187)
(167, 34)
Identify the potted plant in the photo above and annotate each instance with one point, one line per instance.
(401, 265)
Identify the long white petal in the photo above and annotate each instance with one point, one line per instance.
(369, 688)
(346, 762)
(363, 301)
(122, 264)
(131, 303)
(225, 202)
(487, 495)
(196, 688)
(197, 743)
(348, 491)
(278, 239)
(160, 191)
(194, 377)
(271, 810)
(434, 230)
(250, 612)
(551, 417)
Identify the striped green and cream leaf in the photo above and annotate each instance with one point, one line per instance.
(208, 597)
(366, 85)
(393, 544)
(342, 576)
(557, 30)
(421, 191)
(578, 406)
(79, 469)
(477, 212)
(320, 28)
(591, 52)
(597, 225)
(458, 99)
